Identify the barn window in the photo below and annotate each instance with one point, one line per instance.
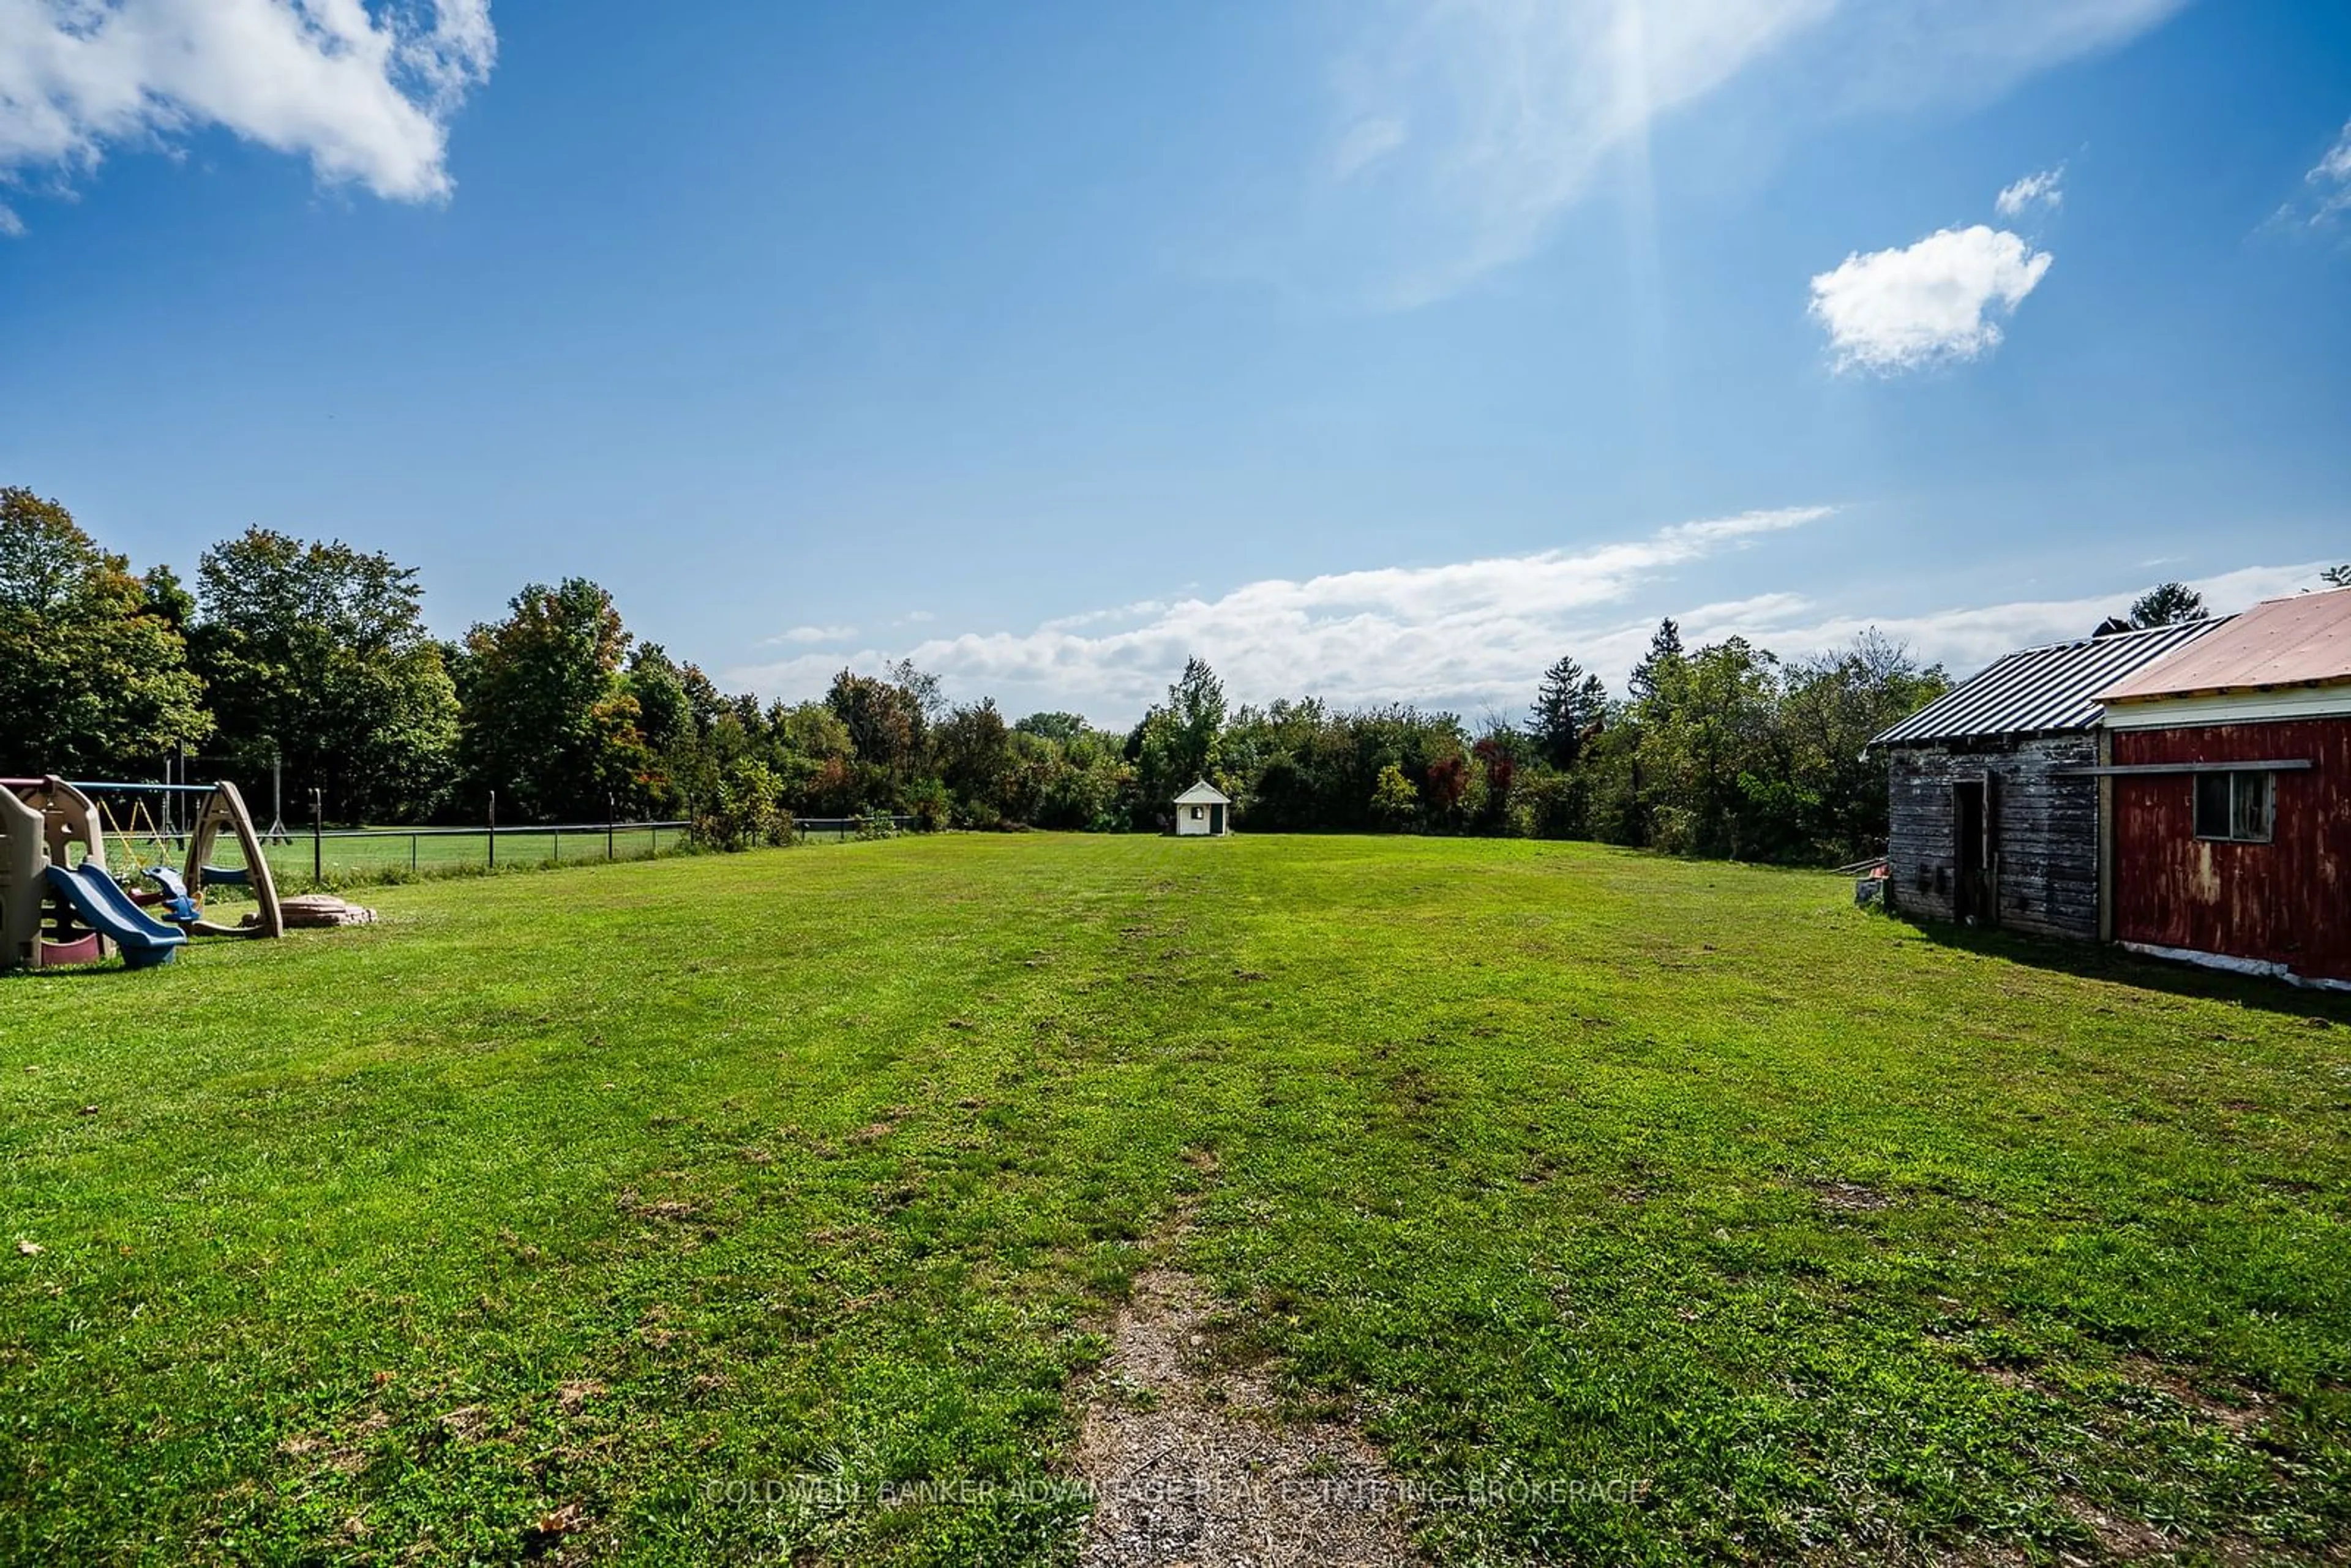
(1196, 813)
(2236, 807)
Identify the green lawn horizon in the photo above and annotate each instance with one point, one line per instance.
(1782, 1229)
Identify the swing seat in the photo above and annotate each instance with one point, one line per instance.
(177, 904)
(225, 876)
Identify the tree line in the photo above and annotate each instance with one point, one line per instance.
(314, 657)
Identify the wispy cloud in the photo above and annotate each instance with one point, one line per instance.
(1968, 638)
(366, 96)
(1473, 636)
(2045, 189)
(815, 634)
(1937, 301)
(1364, 143)
(2328, 184)
(1461, 131)
(1463, 634)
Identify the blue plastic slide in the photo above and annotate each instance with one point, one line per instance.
(105, 909)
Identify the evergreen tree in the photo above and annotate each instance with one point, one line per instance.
(1568, 703)
(1665, 652)
(2167, 605)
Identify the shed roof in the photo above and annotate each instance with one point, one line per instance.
(2041, 691)
(1203, 793)
(2298, 642)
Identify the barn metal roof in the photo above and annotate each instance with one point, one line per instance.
(2040, 691)
(2303, 640)
(1204, 794)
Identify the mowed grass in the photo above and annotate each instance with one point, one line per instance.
(1641, 1210)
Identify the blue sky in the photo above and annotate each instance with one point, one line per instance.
(1382, 350)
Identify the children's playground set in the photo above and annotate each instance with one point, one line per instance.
(62, 907)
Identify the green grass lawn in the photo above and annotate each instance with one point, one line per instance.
(1776, 1229)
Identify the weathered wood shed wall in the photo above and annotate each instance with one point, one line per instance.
(1993, 809)
(2286, 902)
(2041, 845)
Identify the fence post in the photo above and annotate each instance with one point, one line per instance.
(493, 830)
(317, 828)
(608, 810)
(411, 854)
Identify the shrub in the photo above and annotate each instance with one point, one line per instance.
(928, 802)
(748, 811)
(1395, 803)
(1547, 805)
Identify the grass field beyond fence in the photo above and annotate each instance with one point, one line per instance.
(347, 857)
(609, 1199)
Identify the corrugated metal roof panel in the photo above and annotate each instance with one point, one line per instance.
(2041, 690)
(2303, 640)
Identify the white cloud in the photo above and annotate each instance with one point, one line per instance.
(1473, 636)
(2336, 167)
(1461, 131)
(2330, 178)
(1364, 143)
(1462, 633)
(815, 634)
(1966, 639)
(2045, 189)
(365, 96)
(1937, 300)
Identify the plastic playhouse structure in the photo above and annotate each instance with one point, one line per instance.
(57, 908)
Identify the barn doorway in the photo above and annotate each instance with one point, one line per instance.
(1216, 820)
(1971, 900)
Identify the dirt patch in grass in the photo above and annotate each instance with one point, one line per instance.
(573, 1397)
(1190, 1463)
(1850, 1197)
(2119, 1536)
(2238, 1418)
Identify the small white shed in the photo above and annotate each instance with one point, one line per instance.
(1203, 812)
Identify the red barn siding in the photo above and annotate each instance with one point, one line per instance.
(2286, 902)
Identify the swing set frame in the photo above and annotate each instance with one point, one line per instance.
(54, 814)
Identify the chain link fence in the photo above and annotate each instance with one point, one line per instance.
(328, 857)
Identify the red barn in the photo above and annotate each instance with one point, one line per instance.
(2229, 772)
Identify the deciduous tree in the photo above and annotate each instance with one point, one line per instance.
(885, 725)
(550, 723)
(974, 746)
(93, 670)
(316, 654)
